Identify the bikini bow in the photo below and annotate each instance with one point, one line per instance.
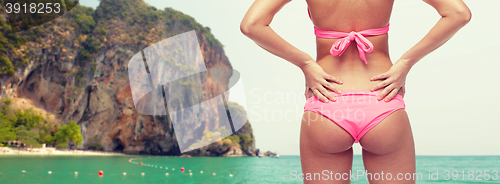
(364, 45)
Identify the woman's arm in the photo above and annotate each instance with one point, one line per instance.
(454, 15)
(255, 25)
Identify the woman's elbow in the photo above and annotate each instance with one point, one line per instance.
(250, 26)
(463, 15)
(246, 28)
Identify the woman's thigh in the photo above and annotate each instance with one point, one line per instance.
(388, 148)
(325, 150)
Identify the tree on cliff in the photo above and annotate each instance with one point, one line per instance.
(5, 64)
(6, 130)
(69, 132)
(28, 118)
(7, 117)
(27, 137)
(46, 131)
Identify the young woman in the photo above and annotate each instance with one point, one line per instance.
(355, 93)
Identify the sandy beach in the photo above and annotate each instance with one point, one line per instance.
(51, 151)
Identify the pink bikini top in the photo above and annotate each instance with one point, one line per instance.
(364, 45)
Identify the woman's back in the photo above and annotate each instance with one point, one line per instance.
(349, 68)
(347, 16)
(329, 128)
(350, 15)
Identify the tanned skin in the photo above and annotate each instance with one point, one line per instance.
(389, 146)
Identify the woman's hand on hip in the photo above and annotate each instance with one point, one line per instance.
(318, 81)
(392, 81)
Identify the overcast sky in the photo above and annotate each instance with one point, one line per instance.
(452, 94)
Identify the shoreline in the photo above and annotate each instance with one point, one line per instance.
(53, 151)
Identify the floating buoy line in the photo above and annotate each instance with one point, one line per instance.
(182, 169)
(189, 172)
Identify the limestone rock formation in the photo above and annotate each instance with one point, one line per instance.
(75, 68)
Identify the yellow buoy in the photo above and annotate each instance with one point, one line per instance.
(76, 173)
(160, 167)
(124, 173)
(50, 172)
(189, 170)
(23, 171)
(230, 175)
(166, 174)
(143, 174)
(190, 173)
(213, 174)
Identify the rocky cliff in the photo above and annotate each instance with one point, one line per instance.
(75, 68)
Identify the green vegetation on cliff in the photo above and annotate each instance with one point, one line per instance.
(69, 132)
(27, 137)
(33, 129)
(243, 138)
(9, 41)
(16, 49)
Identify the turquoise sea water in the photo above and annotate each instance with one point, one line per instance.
(243, 169)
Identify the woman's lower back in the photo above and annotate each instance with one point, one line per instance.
(349, 67)
(347, 16)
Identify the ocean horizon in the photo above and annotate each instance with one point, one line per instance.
(285, 169)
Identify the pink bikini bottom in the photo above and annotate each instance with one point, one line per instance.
(355, 111)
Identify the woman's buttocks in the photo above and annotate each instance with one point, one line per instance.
(349, 67)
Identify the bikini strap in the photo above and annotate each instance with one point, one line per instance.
(364, 45)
